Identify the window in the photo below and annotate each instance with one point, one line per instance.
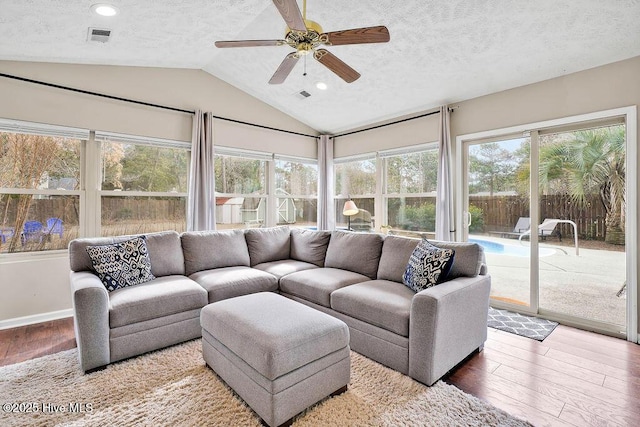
(355, 178)
(241, 188)
(410, 189)
(39, 186)
(296, 192)
(143, 184)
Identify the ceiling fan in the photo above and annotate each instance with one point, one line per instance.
(306, 36)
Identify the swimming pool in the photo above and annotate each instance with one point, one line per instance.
(512, 250)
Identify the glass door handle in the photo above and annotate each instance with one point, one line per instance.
(468, 215)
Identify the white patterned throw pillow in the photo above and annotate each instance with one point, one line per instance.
(428, 266)
(122, 264)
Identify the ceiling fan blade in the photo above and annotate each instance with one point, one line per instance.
(284, 69)
(378, 34)
(291, 14)
(249, 43)
(336, 65)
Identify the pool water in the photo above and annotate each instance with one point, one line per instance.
(512, 250)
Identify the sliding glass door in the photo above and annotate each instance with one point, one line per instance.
(560, 251)
(498, 213)
(582, 187)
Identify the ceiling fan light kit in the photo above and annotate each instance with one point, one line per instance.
(305, 36)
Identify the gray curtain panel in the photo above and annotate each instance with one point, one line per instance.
(445, 224)
(201, 209)
(326, 214)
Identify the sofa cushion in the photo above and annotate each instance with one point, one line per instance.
(165, 252)
(382, 303)
(357, 252)
(283, 267)
(470, 260)
(228, 282)
(268, 244)
(204, 250)
(122, 264)
(396, 252)
(309, 245)
(428, 266)
(317, 284)
(163, 296)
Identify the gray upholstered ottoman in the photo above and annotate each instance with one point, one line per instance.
(280, 356)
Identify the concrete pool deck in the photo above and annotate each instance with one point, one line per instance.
(584, 286)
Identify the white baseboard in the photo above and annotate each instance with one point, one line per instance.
(35, 318)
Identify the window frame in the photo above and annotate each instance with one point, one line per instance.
(40, 129)
(99, 138)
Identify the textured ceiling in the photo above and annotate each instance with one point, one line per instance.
(440, 51)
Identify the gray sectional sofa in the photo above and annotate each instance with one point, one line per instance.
(356, 277)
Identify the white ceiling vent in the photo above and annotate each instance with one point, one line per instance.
(303, 94)
(100, 35)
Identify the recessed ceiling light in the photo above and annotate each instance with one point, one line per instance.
(103, 9)
(321, 85)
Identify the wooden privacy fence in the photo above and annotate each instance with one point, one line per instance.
(146, 208)
(113, 209)
(501, 213)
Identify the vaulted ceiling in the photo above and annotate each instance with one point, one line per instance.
(440, 51)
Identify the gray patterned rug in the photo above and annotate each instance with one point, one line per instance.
(515, 323)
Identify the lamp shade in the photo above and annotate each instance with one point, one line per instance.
(350, 208)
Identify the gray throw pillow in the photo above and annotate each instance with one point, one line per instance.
(428, 266)
(309, 245)
(122, 264)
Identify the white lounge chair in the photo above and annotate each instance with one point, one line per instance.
(545, 229)
(523, 225)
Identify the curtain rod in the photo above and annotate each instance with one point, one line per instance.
(148, 104)
(387, 124)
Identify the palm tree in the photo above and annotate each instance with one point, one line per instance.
(591, 162)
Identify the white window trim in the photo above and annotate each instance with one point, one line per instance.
(41, 129)
(245, 154)
(101, 136)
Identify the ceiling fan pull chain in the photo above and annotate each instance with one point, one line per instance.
(305, 65)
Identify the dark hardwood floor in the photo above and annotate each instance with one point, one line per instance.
(572, 378)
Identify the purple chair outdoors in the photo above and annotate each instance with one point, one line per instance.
(6, 233)
(32, 232)
(54, 226)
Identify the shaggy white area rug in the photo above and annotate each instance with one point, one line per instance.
(173, 387)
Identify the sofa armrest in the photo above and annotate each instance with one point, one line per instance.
(448, 322)
(91, 319)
